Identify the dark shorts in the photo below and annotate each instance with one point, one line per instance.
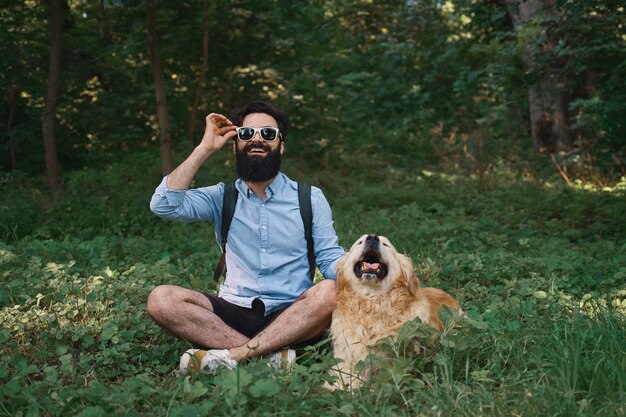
(247, 321)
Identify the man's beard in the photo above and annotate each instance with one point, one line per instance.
(257, 168)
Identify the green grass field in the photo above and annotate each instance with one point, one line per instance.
(538, 267)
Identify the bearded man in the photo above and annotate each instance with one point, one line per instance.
(267, 301)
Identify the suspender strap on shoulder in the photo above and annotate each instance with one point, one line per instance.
(304, 199)
(306, 212)
(228, 210)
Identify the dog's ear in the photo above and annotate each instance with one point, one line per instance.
(411, 281)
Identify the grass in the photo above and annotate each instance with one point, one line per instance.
(539, 269)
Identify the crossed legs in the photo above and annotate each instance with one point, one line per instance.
(189, 315)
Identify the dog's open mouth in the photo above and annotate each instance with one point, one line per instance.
(370, 267)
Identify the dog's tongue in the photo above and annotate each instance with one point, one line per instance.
(374, 266)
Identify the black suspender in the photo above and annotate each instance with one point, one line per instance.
(228, 210)
(304, 199)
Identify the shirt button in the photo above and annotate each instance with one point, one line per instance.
(264, 227)
(263, 250)
(262, 205)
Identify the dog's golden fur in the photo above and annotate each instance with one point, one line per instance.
(376, 305)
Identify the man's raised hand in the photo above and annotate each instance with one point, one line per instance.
(217, 132)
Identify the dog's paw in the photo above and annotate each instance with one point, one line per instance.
(344, 381)
(330, 387)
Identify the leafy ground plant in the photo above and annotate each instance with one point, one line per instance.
(539, 270)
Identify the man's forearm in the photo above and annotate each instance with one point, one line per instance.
(181, 177)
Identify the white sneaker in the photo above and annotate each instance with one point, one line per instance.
(209, 361)
(283, 359)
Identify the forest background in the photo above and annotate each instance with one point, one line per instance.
(484, 138)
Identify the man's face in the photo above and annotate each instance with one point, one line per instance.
(258, 160)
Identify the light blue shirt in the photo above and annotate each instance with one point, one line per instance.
(266, 251)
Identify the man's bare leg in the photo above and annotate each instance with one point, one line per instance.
(308, 317)
(189, 315)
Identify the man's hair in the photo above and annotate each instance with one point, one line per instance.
(262, 107)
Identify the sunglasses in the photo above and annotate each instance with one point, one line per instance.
(268, 134)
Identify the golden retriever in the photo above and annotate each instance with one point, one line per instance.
(377, 292)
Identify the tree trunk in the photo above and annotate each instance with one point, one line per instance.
(203, 70)
(13, 92)
(165, 131)
(14, 89)
(106, 29)
(546, 103)
(49, 111)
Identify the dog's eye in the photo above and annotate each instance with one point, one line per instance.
(360, 243)
(384, 244)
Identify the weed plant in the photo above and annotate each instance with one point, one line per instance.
(538, 268)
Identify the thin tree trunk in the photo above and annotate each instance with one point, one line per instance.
(203, 70)
(165, 131)
(106, 29)
(49, 111)
(12, 101)
(546, 103)
(14, 89)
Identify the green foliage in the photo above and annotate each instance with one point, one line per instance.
(438, 82)
(538, 269)
(411, 116)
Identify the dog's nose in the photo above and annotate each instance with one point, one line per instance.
(372, 242)
(372, 237)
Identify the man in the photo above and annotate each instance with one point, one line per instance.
(267, 300)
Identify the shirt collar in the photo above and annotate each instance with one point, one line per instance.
(274, 187)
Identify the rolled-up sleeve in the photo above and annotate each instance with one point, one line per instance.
(327, 249)
(187, 205)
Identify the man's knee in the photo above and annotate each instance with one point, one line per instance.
(327, 294)
(158, 302)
